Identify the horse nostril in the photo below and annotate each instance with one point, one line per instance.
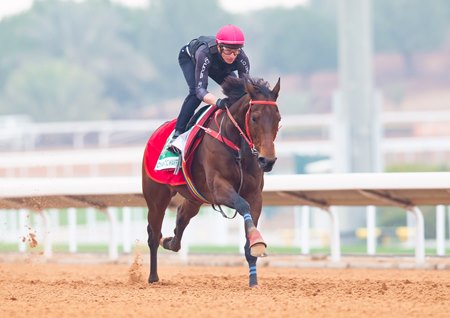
(263, 161)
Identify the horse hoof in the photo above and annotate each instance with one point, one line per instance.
(153, 279)
(168, 244)
(258, 250)
(164, 242)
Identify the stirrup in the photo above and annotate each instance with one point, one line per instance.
(173, 149)
(170, 145)
(178, 167)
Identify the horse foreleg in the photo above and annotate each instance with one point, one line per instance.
(256, 242)
(254, 247)
(251, 260)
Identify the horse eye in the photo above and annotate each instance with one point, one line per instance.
(253, 119)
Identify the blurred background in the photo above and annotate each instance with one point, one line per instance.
(84, 83)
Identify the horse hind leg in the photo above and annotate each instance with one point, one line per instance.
(185, 212)
(156, 212)
(153, 277)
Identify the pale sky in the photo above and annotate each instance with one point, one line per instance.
(10, 7)
(248, 5)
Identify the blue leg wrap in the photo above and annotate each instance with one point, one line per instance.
(251, 260)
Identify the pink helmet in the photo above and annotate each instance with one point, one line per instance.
(230, 36)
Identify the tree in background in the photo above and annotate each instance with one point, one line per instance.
(57, 91)
(129, 56)
(410, 26)
(297, 40)
(90, 36)
(165, 27)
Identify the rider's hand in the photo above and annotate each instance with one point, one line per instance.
(222, 103)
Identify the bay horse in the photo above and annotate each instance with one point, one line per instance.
(227, 169)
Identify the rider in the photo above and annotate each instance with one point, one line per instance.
(216, 57)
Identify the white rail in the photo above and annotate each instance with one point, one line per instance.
(25, 135)
(326, 191)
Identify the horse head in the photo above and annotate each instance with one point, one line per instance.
(262, 120)
(257, 117)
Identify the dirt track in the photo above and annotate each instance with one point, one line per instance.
(33, 289)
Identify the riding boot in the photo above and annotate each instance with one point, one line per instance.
(170, 146)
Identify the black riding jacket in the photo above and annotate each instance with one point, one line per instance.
(208, 62)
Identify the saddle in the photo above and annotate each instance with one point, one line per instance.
(155, 148)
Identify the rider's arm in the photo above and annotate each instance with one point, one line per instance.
(201, 78)
(210, 99)
(243, 64)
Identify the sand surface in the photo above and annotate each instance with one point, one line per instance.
(37, 289)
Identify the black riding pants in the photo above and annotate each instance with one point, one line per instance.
(191, 102)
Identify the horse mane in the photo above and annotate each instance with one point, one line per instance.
(234, 88)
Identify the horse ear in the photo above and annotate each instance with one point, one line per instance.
(276, 90)
(249, 87)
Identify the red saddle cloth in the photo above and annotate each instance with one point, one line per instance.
(156, 143)
(152, 151)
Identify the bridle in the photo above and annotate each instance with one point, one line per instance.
(245, 135)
